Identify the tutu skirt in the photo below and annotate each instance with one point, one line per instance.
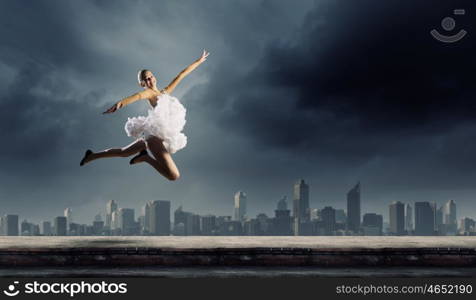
(165, 121)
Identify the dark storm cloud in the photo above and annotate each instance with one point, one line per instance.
(39, 114)
(357, 80)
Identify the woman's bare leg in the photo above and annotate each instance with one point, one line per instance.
(162, 160)
(128, 150)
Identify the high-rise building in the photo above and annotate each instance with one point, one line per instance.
(282, 219)
(440, 226)
(208, 225)
(328, 217)
(449, 217)
(25, 228)
(98, 227)
(239, 211)
(60, 226)
(46, 228)
(115, 222)
(160, 217)
(68, 213)
(353, 209)
(264, 224)
(147, 211)
(372, 224)
(397, 218)
(424, 218)
(468, 226)
(10, 225)
(301, 212)
(193, 224)
(301, 201)
(111, 207)
(408, 218)
(127, 221)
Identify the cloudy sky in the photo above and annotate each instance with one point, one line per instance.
(334, 92)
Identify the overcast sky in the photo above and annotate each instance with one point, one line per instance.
(334, 92)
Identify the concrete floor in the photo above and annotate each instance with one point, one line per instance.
(239, 251)
(210, 242)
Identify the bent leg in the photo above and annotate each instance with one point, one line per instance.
(162, 160)
(136, 146)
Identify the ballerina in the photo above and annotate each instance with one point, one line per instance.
(159, 132)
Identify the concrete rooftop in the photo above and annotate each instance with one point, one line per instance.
(355, 251)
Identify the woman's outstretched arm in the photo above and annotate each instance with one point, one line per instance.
(169, 89)
(131, 99)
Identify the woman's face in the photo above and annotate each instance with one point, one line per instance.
(149, 80)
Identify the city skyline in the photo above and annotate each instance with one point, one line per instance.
(397, 218)
(353, 106)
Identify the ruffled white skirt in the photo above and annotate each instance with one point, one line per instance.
(165, 121)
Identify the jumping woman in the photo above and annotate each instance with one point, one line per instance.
(159, 132)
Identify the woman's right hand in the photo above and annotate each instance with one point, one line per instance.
(113, 108)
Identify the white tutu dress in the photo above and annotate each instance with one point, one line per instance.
(165, 121)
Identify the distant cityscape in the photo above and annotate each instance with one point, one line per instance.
(419, 219)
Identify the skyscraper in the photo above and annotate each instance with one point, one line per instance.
(127, 221)
(449, 217)
(147, 212)
(115, 222)
(408, 218)
(301, 212)
(111, 207)
(353, 209)
(239, 211)
(282, 219)
(60, 226)
(181, 218)
(68, 213)
(440, 226)
(301, 201)
(10, 225)
(46, 228)
(372, 224)
(193, 224)
(160, 217)
(424, 218)
(208, 225)
(397, 218)
(328, 216)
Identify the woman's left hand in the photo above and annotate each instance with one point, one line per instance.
(204, 56)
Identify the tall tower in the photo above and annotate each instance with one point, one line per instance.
(147, 212)
(282, 220)
(353, 209)
(424, 218)
(239, 211)
(126, 221)
(60, 226)
(301, 201)
(110, 208)
(160, 217)
(328, 215)
(408, 218)
(10, 225)
(397, 218)
(449, 217)
(68, 213)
